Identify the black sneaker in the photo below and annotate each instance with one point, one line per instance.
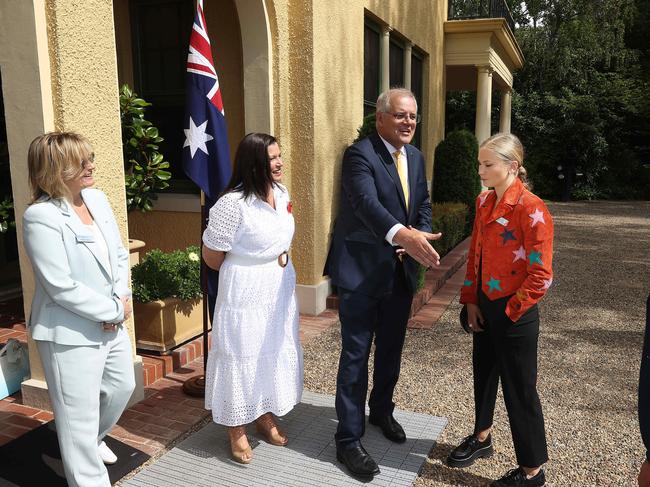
(469, 450)
(517, 478)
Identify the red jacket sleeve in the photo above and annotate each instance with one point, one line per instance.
(469, 291)
(537, 227)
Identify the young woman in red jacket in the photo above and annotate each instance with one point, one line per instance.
(508, 272)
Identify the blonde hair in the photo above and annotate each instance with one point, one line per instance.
(53, 159)
(508, 148)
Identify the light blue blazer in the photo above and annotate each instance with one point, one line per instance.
(74, 291)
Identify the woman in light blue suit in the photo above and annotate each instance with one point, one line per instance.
(81, 299)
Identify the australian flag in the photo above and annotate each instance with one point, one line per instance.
(206, 155)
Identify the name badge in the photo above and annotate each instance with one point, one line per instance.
(502, 221)
(85, 238)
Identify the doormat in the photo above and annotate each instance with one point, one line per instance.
(35, 459)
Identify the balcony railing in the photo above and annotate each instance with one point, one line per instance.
(480, 9)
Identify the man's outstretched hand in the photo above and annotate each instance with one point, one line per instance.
(416, 244)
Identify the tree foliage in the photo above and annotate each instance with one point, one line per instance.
(582, 100)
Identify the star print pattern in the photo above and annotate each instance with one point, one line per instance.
(494, 285)
(196, 137)
(523, 271)
(507, 235)
(537, 216)
(520, 254)
(535, 258)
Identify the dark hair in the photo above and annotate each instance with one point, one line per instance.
(252, 171)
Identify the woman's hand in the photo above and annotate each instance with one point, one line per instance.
(128, 307)
(474, 318)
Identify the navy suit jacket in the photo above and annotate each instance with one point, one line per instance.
(372, 202)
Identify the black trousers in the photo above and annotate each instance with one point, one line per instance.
(362, 318)
(508, 351)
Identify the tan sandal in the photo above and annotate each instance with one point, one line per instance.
(240, 449)
(267, 427)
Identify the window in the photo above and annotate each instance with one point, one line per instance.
(371, 65)
(161, 34)
(417, 86)
(396, 64)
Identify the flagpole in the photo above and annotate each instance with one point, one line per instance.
(195, 386)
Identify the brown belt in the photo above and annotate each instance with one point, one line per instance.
(283, 259)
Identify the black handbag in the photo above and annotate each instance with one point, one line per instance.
(463, 319)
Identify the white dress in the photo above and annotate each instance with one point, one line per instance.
(255, 362)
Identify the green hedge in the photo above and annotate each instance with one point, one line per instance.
(455, 175)
(167, 275)
(367, 127)
(451, 220)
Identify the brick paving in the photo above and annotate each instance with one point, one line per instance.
(165, 413)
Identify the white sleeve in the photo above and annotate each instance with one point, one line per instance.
(392, 232)
(225, 218)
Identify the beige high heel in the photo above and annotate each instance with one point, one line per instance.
(267, 427)
(241, 451)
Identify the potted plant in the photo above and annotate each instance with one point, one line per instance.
(167, 298)
(145, 170)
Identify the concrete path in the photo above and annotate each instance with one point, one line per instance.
(203, 459)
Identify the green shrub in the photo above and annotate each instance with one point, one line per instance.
(167, 275)
(455, 178)
(145, 170)
(450, 219)
(367, 127)
(7, 218)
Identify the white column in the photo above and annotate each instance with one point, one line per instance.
(385, 59)
(408, 52)
(483, 103)
(506, 110)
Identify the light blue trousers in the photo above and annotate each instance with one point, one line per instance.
(89, 387)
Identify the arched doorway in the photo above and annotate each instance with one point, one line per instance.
(153, 62)
(11, 304)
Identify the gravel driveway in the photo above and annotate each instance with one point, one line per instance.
(590, 346)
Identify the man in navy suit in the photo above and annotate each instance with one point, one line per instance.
(381, 233)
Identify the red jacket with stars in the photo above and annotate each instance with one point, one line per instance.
(516, 241)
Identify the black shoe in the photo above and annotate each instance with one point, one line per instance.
(389, 427)
(357, 460)
(469, 450)
(517, 478)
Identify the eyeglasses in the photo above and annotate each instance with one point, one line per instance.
(88, 162)
(401, 116)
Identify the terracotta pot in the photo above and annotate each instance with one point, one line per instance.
(162, 325)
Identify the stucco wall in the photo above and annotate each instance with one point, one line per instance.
(318, 93)
(165, 230)
(338, 112)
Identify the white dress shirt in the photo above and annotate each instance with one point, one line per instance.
(391, 150)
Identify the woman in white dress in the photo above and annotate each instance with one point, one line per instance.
(255, 368)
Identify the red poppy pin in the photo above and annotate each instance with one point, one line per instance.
(289, 207)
